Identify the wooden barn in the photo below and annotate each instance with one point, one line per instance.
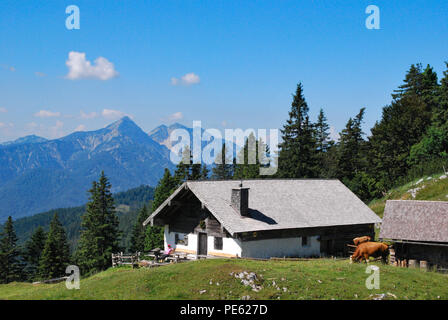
(419, 231)
(263, 218)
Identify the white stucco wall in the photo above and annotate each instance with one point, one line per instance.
(230, 246)
(283, 247)
(286, 247)
(170, 237)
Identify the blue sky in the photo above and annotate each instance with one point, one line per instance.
(241, 61)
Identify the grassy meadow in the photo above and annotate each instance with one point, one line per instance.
(297, 280)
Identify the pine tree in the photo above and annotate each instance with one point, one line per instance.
(297, 157)
(33, 252)
(250, 159)
(441, 113)
(419, 84)
(322, 128)
(351, 148)
(10, 265)
(55, 256)
(99, 235)
(325, 164)
(204, 172)
(403, 124)
(183, 168)
(153, 237)
(164, 188)
(223, 169)
(138, 233)
(195, 172)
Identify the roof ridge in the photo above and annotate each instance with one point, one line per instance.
(265, 179)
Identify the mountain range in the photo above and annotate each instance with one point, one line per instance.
(38, 175)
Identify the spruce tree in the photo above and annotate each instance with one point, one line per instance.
(204, 172)
(138, 233)
(351, 148)
(164, 188)
(33, 252)
(196, 172)
(441, 113)
(250, 159)
(10, 265)
(99, 234)
(297, 157)
(55, 256)
(223, 169)
(322, 128)
(403, 124)
(153, 237)
(325, 164)
(183, 168)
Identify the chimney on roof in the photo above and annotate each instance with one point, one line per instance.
(240, 200)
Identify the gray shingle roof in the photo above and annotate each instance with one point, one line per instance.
(415, 220)
(281, 204)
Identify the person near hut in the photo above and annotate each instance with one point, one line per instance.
(168, 251)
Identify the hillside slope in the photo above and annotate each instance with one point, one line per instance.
(128, 204)
(434, 187)
(215, 278)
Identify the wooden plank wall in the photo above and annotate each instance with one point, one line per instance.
(434, 255)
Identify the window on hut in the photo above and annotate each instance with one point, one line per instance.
(304, 241)
(218, 243)
(179, 240)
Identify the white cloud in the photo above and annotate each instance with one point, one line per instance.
(81, 127)
(6, 129)
(3, 110)
(39, 74)
(90, 115)
(175, 116)
(47, 114)
(113, 114)
(31, 126)
(80, 68)
(56, 130)
(187, 79)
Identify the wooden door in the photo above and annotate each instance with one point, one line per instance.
(202, 244)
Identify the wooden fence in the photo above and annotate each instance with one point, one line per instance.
(137, 259)
(121, 259)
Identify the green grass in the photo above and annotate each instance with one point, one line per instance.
(312, 279)
(434, 189)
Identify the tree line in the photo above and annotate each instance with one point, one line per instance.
(46, 255)
(409, 140)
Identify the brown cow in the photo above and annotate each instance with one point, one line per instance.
(370, 249)
(360, 240)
